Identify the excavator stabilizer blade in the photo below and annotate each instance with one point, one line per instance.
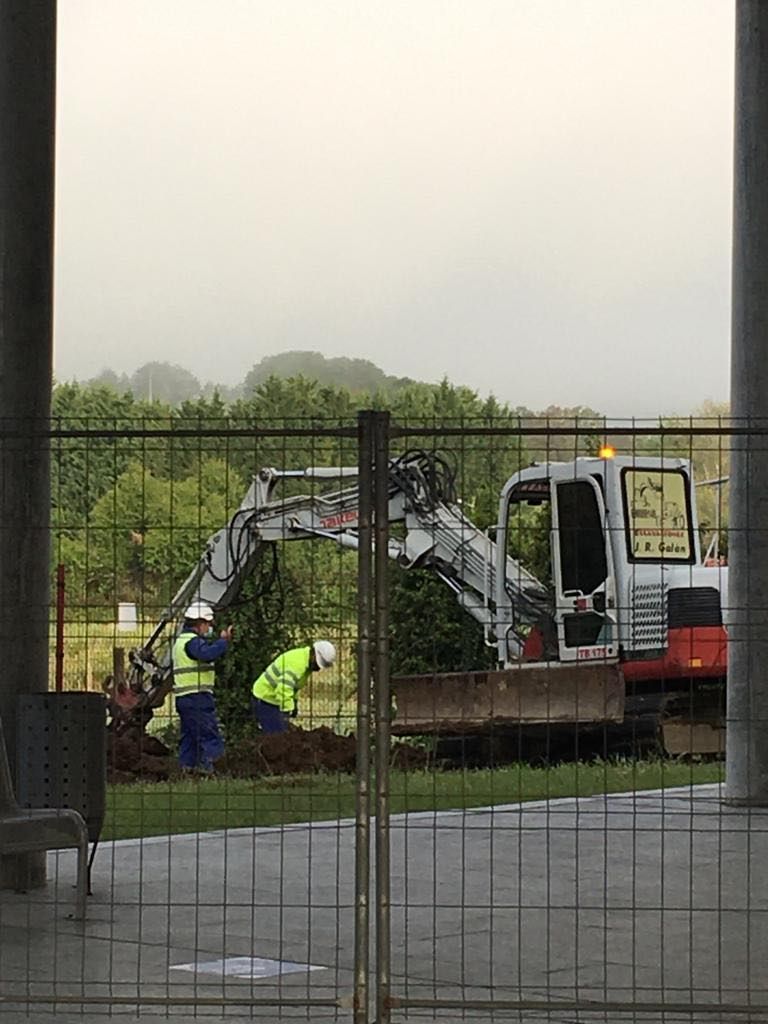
(531, 694)
(683, 736)
(693, 722)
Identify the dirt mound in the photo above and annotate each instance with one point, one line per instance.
(408, 758)
(295, 752)
(134, 755)
(305, 751)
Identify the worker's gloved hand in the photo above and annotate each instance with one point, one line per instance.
(295, 710)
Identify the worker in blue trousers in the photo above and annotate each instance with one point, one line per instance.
(195, 651)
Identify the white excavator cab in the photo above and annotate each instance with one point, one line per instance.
(622, 531)
(580, 623)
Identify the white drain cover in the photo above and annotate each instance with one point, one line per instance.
(246, 967)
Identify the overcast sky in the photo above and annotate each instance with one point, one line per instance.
(530, 196)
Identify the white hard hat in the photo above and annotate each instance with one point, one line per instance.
(198, 611)
(325, 653)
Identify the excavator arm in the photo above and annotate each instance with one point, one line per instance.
(435, 534)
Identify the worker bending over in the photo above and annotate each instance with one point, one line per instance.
(193, 656)
(274, 694)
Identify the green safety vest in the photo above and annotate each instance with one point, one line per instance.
(189, 675)
(283, 678)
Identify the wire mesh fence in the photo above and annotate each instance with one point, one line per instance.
(503, 795)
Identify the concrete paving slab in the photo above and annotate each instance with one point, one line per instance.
(628, 898)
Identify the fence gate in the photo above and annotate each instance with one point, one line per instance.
(608, 881)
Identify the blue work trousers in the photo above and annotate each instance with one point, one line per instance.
(269, 716)
(201, 739)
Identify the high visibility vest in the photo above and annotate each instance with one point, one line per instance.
(189, 675)
(283, 678)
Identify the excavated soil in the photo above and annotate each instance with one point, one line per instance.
(295, 752)
(132, 755)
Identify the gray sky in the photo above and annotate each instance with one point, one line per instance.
(530, 196)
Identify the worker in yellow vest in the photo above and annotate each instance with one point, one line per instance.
(194, 652)
(274, 694)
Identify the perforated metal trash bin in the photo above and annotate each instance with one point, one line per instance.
(61, 754)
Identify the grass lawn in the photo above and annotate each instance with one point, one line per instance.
(148, 809)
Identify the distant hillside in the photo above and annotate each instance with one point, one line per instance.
(167, 382)
(357, 375)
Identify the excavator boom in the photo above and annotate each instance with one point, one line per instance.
(436, 535)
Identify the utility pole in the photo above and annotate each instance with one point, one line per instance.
(747, 717)
(27, 132)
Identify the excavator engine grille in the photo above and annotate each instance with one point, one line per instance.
(647, 617)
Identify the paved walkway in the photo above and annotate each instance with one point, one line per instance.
(642, 897)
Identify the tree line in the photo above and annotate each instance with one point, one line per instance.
(172, 384)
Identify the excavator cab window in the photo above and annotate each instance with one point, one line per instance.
(529, 525)
(583, 561)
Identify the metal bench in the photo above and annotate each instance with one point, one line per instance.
(40, 829)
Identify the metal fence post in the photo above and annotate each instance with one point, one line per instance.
(364, 674)
(27, 134)
(382, 701)
(747, 726)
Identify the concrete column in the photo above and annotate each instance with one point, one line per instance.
(27, 122)
(747, 728)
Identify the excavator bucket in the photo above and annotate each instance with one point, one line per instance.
(529, 694)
